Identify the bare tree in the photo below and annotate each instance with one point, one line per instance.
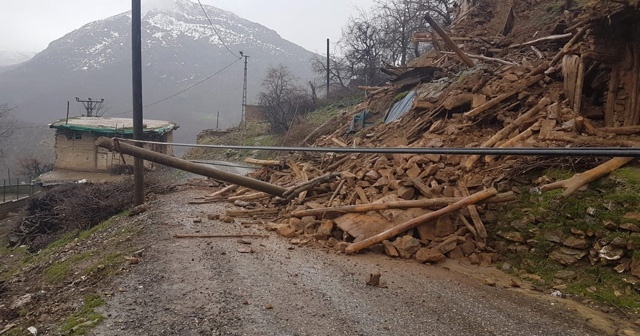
(31, 165)
(282, 100)
(364, 45)
(340, 72)
(101, 109)
(6, 124)
(401, 18)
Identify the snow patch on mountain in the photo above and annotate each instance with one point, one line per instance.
(13, 57)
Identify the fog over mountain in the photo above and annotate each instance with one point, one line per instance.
(180, 48)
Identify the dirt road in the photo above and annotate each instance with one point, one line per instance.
(209, 287)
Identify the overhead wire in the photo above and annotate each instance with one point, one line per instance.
(238, 58)
(532, 151)
(183, 90)
(216, 31)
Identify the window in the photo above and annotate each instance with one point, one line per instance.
(74, 136)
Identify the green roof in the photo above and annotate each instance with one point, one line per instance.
(102, 125)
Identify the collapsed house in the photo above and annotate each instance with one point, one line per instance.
(603, 70)
(504, 75)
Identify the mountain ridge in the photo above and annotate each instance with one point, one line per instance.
(179, 49)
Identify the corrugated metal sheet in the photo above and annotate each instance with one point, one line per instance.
(400, 108)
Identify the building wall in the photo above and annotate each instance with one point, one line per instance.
(253, 113)
(78, 152)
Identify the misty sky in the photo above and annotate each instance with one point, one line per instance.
(31, 25)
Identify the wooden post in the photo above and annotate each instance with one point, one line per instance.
(447, 40)
(388, 234)
(577, 105)
(612, 94)
(185, 165)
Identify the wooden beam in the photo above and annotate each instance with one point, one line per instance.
(542, 39)
(413, 223)
(447, 40)
(496, 101)
(423, 203)
(576, 182)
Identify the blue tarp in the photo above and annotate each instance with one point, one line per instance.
(400, 108)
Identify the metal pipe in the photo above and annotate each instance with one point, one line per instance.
(185, 165)
(529, 151)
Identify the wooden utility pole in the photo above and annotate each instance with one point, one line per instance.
(185, 165)
(328, 66)
(136, 53)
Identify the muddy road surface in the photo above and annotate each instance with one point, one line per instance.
(267, 286)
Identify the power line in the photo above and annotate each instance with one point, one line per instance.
(184, 90)
(216, 31)
(531, 151)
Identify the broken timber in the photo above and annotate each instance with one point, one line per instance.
(388, 234)
(195, 168)
(447, 40)
(424, 203)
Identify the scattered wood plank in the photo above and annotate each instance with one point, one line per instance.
(336, 164)
(222, 191)
(516, 139)
(623, 130)
(447, 40)
(263, 162)
(339, 143)
(207, 201)
(252, 212)
(544, 102)
(422, 188)
(567, 47)
(475, 217)
(363, 197)
(423, 203)
(335, 193)
(485, 58)
(302, 187)
(248, 197)
(388, 234)
(537, 52)
(576, 182)
(495, 101)
(542, 39)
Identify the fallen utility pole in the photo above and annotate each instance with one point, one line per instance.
(169, 161)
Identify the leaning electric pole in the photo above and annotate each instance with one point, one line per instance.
(136, 67)
(90, 105)
(244, 91)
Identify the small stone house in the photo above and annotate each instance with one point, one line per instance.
(75, 138)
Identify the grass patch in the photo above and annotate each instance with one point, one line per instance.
(612, 197)
(85, 318)
(84, 235)
(58, 272)
(107, 266)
